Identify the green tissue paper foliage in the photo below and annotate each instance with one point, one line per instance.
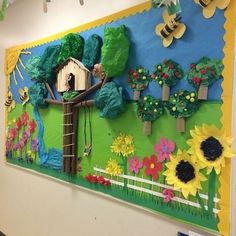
(37, 94)
(32, 68)
(115, 51)
(72, 45)
(92, 51)
(48, 64)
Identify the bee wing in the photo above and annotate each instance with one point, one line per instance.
(168, 41)
(222, 4)
(209, 11)
(13, 104)
(159, 28)
(179, 31)
(21, 91)
(196, 1)
(26, 89)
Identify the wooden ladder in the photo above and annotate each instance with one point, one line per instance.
(69, 138)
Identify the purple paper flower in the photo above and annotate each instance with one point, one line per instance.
(25, 136)
(164, 149)
(34, 145)
(9, 145)
(135, 164)
(168, 194)
(20, 145)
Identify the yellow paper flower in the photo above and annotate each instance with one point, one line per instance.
(211, 146)
(210, 6)
(183, 173)
(113, 168)
(123, 145)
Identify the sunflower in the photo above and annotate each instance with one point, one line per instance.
(211, 146)
(113, 168)
(183, 172)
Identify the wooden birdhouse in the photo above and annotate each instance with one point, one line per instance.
(72, 75)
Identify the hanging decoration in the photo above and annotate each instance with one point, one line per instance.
(138, 79)
(210, 6)
(167, 74)
(181, 105)
(203, 74)
(170, 29)
(173, 6)
(149, 109)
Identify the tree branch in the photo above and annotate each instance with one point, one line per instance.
(50, 91)
(87, 103)
(55, 102)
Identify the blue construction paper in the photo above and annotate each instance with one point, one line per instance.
(147, 49)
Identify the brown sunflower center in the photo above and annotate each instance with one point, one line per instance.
(185, 171)
(212, 148)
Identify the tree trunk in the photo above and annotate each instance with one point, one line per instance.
(136, 95)
(180, 125)
(165, 92)
(147, 128)
(202, 93)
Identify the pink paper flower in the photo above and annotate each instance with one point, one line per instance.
(152, 166)
(135, 164)
(164, 149)
(24, 118)
(168, 194)
(25, 136)
(32, 126)
(13, 133)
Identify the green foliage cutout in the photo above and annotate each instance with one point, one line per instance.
(204, 72)
(183, 104)
(168, 73)
(149, 108)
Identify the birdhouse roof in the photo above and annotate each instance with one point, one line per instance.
(79, 63)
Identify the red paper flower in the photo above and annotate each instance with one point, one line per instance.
(168, 194)
(24, 118)
(152, 166)
(13, 133)
(107, 183)
(94, 179)
(18, 124)
(32, 126)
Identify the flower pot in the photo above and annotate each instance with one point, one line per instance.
(180, 125)
(202, 93)
(147, 128)
(136, 95)
(165, 92)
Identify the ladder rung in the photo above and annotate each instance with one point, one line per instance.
(65, 103)
(67, 124)
(68, 155)
(69, 134)
(66, 114)
(68, 145)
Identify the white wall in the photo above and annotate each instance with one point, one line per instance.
(32, 205)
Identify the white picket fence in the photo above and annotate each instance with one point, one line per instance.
(142, 181)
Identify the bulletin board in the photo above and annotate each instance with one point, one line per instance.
(143, 135)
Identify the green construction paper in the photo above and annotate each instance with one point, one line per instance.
(211, 190)
(115, 51)
(92, 51)
(72, 45)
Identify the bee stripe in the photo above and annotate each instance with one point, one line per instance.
(167, 30)
(204, 3)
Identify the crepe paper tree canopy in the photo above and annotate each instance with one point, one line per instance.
(115, 51)
(204, 72)
(92, 51)
(32, 68)
(149, 108)
(110, 100)
(72, 45)
(48, 64)
(139, 78)
(173, 6)
(183, 104)
(37, 94)
(68, 95)
(168, 73)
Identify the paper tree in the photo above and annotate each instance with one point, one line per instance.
(167, 74)
(203, 74)
(149, 109)
(138, 79)
(210, 6)
(182, 105)
(170, 29)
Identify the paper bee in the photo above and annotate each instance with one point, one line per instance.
(24, 95)
(10, 103)
(209, 6)
(172, 28)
